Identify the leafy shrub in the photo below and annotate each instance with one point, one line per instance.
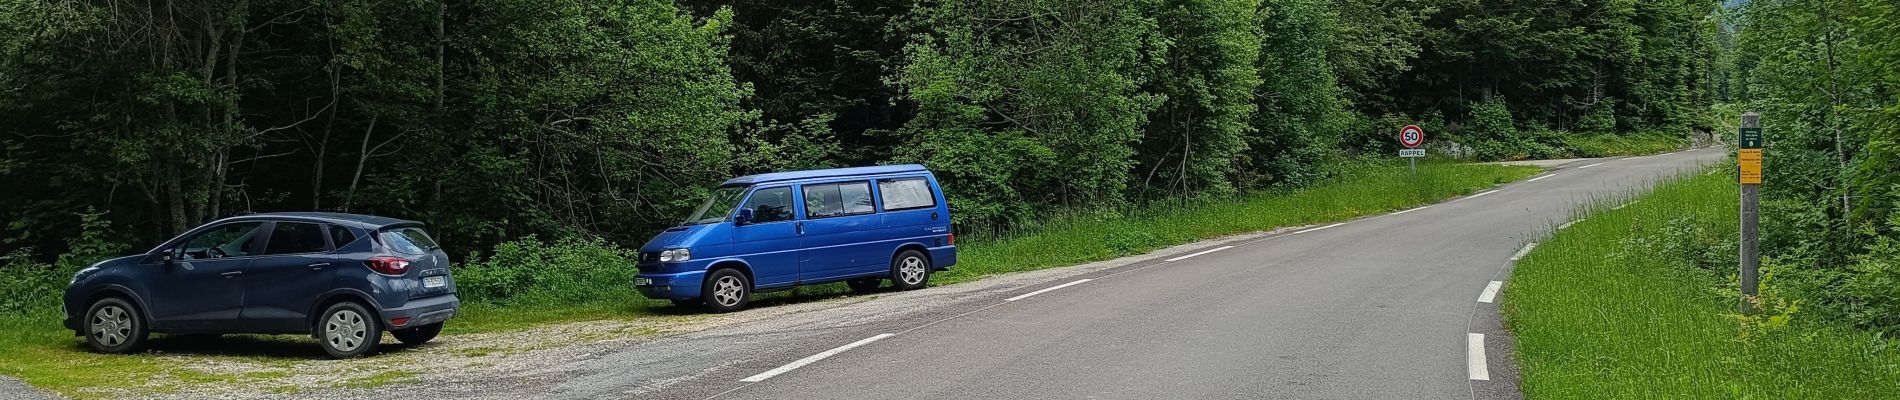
(530, 271)
(1492, 132)
(36, 287)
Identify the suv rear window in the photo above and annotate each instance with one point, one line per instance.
(407, 240)
(295, 238)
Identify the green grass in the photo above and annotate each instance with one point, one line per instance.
(1609, 145)
(39, 351)
(1628, 305)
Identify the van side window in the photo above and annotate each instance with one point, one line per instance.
(838, 199)
(770, 204)
(905, 194)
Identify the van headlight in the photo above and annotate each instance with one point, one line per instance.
(675, 255)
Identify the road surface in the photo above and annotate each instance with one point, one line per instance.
(1376, 308)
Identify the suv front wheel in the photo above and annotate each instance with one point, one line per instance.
(348, 330)
(114, 326)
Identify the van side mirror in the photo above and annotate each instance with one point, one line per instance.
(743, 217)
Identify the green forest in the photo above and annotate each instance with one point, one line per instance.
(127, 122)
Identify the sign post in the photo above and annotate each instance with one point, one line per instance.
(1411, 137)
(1748, 160)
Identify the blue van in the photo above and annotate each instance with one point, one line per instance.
(774, 231)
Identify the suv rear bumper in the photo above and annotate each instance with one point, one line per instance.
(673, 286)
(423, 311)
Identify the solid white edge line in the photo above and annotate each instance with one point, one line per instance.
(1319, 228)
(1521, 252)
(1482, 193)
(1540, 178)
(1567, 225)
(1624, 205)
(1474, 357)
(1200, 253)
(1411, 210)
(1588, 166)
(1046, 290)
(813, 358)
(1490, 292)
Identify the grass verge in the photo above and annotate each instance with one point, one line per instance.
(37, 350)
(1628, 304)
(1613, 145)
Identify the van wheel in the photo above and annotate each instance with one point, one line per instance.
(115, 326)
(865, 285)
(348, 330)
(910, 270)
(418, 335)
(726, 290)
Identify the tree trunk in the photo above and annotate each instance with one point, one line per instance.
(362, 159)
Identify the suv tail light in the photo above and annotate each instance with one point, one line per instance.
(388, 265)
(953, 238)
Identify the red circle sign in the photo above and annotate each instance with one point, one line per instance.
(1411, 136)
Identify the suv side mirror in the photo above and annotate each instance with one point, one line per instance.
(167, 259)
(743, 217)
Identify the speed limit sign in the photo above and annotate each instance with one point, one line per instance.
(1411, 136)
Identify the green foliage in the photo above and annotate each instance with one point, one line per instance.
(530, 272)
(1013, 123)
(35, 288)
(1492, 132)
(1300, 109)
(1200, 131)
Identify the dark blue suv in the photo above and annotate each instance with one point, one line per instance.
(343, 278)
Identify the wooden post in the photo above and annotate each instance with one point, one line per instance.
(1748, 159)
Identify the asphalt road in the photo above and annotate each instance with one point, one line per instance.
(1383, 307)
(1375, 308)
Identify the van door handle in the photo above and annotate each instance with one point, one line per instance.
(319, 266)
(801, 227)
(231, 274)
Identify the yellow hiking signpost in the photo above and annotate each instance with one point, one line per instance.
(1750, 162)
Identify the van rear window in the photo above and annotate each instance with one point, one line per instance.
(907, 193)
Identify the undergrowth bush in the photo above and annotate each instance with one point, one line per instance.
(532, 271)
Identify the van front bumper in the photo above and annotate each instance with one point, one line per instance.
(671, 286)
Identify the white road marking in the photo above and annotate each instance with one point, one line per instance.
(1200, 253)
(1474, 357)
(1319, 228)
(1540, 178)
(1521, 252)
(1490, 292)
(1411, 210)
(1588, 166)
(1624, 205)
(1482, 193)
(1568, 224)
(814, 358)
(1046, 290)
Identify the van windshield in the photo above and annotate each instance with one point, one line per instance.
(717, 207)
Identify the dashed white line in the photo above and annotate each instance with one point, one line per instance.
(1588, 166)
(1200, 253)
(1568, 224)
(1319, 228)
(813, 358)
(1490, 292)
(1482, 193)
(1624, 205)
(1411, 210)
(1521, 252)
(1046, 290)
(1540, 178)
(1474, 357)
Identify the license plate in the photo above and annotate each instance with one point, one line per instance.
(434, 281)
(642, 282)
